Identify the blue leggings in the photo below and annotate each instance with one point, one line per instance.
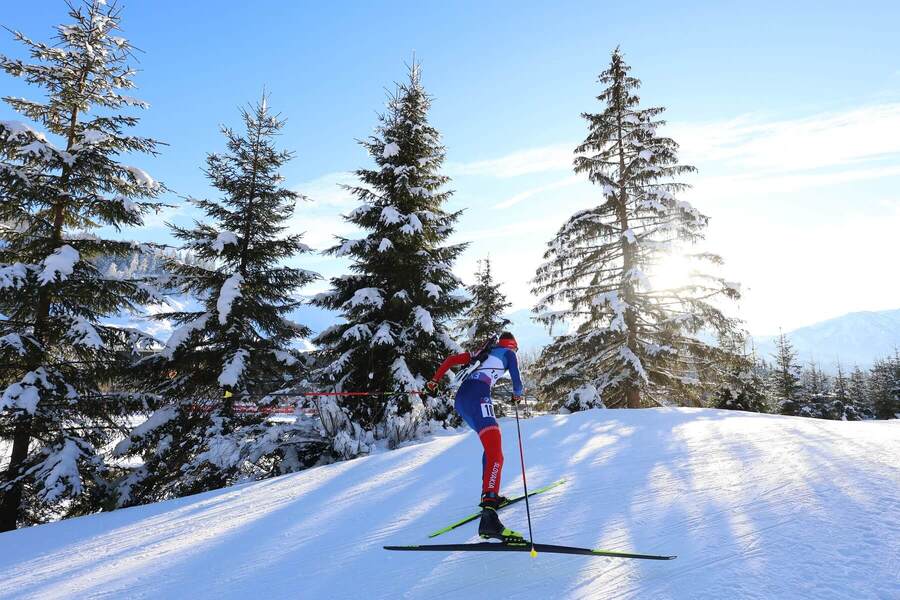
(473, 403)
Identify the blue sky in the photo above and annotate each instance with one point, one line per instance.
(791, 111)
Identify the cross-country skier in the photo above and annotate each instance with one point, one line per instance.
(473, 403)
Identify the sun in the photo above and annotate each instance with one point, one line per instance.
(673, 270)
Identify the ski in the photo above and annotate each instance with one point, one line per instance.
(524, 546)
(509, 501)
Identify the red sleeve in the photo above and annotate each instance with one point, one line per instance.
(452, 361)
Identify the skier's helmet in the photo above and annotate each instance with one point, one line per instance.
(507, 340)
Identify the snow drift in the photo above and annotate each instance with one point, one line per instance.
(755, 506)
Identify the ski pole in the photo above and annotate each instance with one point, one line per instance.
(524, 482)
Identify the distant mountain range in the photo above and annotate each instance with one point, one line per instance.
(858, 338)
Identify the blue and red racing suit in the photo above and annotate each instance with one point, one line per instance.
(473, 403)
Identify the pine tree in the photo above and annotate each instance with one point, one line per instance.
(483, 320)
(238, 346)
(401, 293)
(785, 382)
(885, 388)
(815, 393)
(57, 188)
(841, 407)
(742, 377)
(632, 339)
(858, 393)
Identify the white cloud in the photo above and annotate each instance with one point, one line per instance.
(829, 139)
(557, 157)
(744, 185)
(562, 183)
(327, 190)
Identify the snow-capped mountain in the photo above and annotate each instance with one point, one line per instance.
(858, 338)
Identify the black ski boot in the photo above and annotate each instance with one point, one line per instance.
(490, 525)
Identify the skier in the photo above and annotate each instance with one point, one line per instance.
(473, 403)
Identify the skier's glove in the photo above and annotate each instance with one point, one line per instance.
(517, 399)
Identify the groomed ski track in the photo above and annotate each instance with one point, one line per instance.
(755, 506)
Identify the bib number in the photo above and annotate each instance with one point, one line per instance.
(487, 410)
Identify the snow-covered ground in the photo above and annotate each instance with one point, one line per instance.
(755, 506)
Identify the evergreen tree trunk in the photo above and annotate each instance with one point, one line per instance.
(631, 388)
(12, 497)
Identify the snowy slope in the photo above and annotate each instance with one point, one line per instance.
(756, 506)
(858, 338)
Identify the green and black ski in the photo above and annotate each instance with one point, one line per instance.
(509, 501)
(524, 546)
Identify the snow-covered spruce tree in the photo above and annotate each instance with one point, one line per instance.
(885, 388)
(841, 407)
(858, 393)
(483, 319)
(631, 340)
(239, 342)
(60, 180)
(743, 384)
(401, 294)
(785, 379)
(816, 393)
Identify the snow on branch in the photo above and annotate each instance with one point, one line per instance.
(413, 225)
(357, 332)
(17, 130)
(383, 336)
(181, 335)
(141, 177)
(13, 276)
(365, 297)
(159, 418)
(391, 149)
(14, 341)
(423, 319)
(83, 333)
(224, 238)
(59, 472)
(61, 263)
(391, 216)
(231, 290)
(234, 368)
(347, 247)
(633, 361)
(403, 376)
